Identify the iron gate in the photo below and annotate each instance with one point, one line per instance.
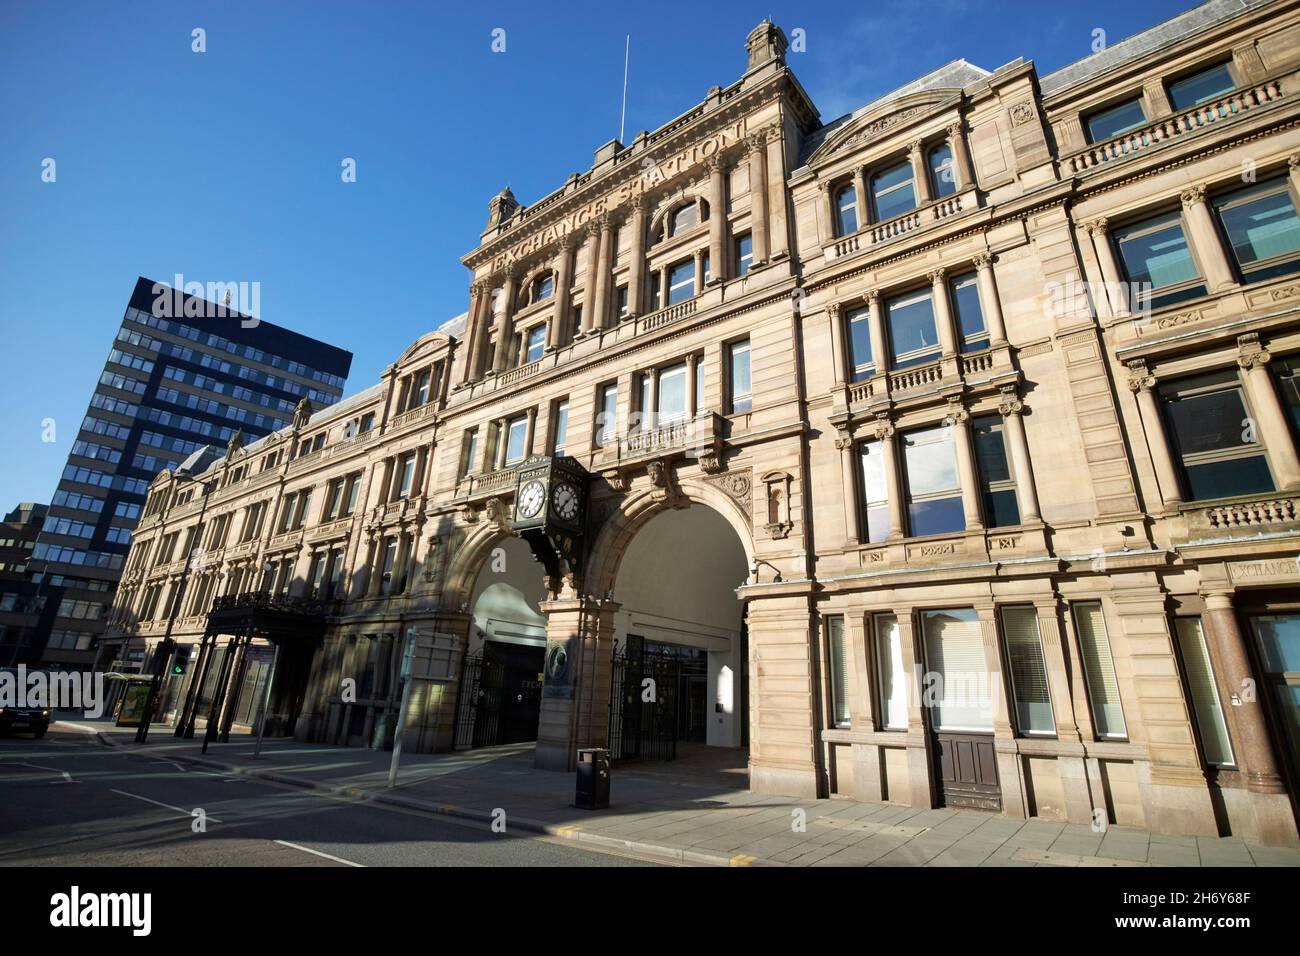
(478, 705)
(500, 696)
(641, 728)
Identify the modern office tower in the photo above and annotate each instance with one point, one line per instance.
(183, 372)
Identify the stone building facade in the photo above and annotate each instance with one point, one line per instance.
(947, 452)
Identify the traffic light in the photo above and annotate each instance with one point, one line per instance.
(181, 659)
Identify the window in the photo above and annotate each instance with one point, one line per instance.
(1202, 86)
(741, 399)
(656, 291)
(405, 474)
(685, 218)
(706, 269)
(846, 211)
(421, 394)
(389, 560)
(316, 574)
(621, 301)
(681, 282)
(1159, 262)
(333, 499)
(933, 489)
(958, 674)
(875, 490)
(1287, 373)
(576, 326)
(471, 452)
(334, 573)
(1206, 705)
(699, 383)
(744, 253)
(300, 514)
(943, 176)
(560, 427)
(352, 491)
(606, 415)
(965, 298)
(1213, 437)
(1115, 120)
(535, 343)
(1263, 230)
(1099, 671)
(891, 676)
(913, 337)
(997, 486)
(892, 192)
(860, 344)
(672, 393)
(840, 680)
(1029, 687)
(516, 439)
(286, 512)
(543, 287)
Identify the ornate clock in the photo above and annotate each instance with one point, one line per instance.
(550, 510)
(565, 501)
(532, 498)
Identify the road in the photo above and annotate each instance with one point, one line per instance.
(69, 801)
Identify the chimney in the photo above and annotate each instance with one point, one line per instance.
(766, 42)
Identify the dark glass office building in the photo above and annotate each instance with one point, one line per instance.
(183, 372)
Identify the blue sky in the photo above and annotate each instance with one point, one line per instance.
(225, 165)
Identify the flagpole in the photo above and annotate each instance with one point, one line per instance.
(622, 119)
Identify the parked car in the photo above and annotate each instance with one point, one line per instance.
(24, 720)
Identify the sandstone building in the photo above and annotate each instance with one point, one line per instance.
(945, 453)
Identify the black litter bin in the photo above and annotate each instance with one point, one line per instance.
(593, 779)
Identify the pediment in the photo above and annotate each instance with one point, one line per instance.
(425, 345)
(883, 120)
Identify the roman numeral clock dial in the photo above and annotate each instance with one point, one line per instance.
(564, 500)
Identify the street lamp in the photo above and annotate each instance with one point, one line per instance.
(165, 647)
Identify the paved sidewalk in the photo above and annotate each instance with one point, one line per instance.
(694, 819)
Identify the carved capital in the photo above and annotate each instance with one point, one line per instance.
(883, 428)
(1010, 403)
(843, 443)
(1251, 353)
(1098, 227)
(957, 413)
(1293, 161)
(984, 260)
(936, 276)
(1192, 195)
(873, 297)
(955, 130)
(915, 147)
(1140, 378)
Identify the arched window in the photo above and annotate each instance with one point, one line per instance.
(543, 286)
(684, 219)
(846, 210)
(892, 192)
(943, 175)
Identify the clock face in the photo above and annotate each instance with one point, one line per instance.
(564, 500)
(531, 498)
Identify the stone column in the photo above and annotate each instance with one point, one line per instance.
(1205, 240)
(1252, 746)
(920, 765)
(593, 271)
(839, 345)
(886, 433)
(1116, 297)
(479, 294)
(989, 301)
(1010, 409)
(959, 419)
(1143, 383)
(529, 431)
(636, 269)
(1270, 416)
(778, 225)
(876, 326)
(758, 197)
(576, 683)
(860, 191)
(960, 157)
(784, 751)
(852, 520)
(943, 313)
(1004, 745)
(920, 175)
(829, 212)
(650, 389)
(1293, 170)
(717, 219)
(504, 330)
(557, 334)
(605, 273)
(692, 400)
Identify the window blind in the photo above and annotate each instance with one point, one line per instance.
(1205, 696)
(892, 677)
(839, 671)
(1099, 670)
(954, 650)
(1028, 671)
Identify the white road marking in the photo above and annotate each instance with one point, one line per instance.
(173, 763)
(307, 849)
(67, 777)
(168, 806)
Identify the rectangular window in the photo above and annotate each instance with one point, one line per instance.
(943, 178)
(334, 575)
(1158, 262)
(681, 282)
(954, 654)
(1200, 87)
(875, 490)
(892, 192)
(353, 489)
(422, 388)
(913, 335)
(1028, 671)
(560, 427)
(1099, 671)
(333, 499)
(740, 382)
(576, 326)
(934, 503)
(840, 679)
(672, 393)
(606, 415)
(997, 486)
(891, 676)
(860, 344)
(535, 343)
(643, 417)
(316, 574)
(516, 439)
(1286, 372)
(471, 452)
(386, 568)
(405, 475)
(621, 301)
(744, 253)
(656, 291)
(1115, 120)
(846, 211)
(1262, 229)
(1206, 705)
(965, 297)
(699, 383)
(1214, 438)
